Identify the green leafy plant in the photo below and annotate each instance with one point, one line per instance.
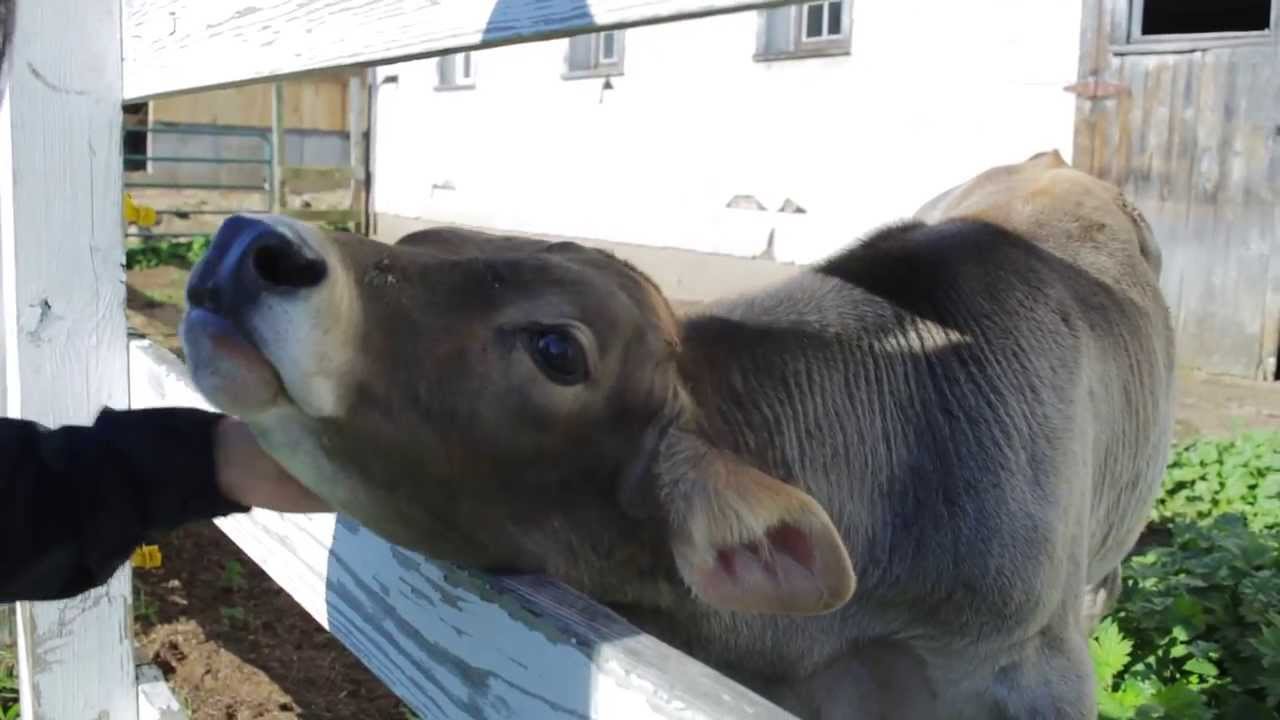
(233, 576)
(8, 685)
(1209, 477)
(156, 252)
(1196, 632)
(145, 607)
(233, 615)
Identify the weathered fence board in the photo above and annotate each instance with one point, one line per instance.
(62, 263)
(1202, 112)
(183, 45)
(8, 627)
(456, 644)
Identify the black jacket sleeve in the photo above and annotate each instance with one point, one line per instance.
(76, 501)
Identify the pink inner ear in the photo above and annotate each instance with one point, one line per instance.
(786, 540)
(794, 543)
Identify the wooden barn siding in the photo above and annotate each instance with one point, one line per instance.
(311, 103)
(1194, 140)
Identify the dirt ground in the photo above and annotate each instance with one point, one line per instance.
(233, 646)
(239, 649)
(1219, 406)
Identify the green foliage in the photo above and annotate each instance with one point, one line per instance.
(233, 615)
(167, 251)
(233, 576)
(8, 685)
(145, 607)
(1196, 632)
(1208, 477)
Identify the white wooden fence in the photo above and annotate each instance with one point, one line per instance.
(451, 644)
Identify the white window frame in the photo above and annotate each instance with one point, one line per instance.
(799, 46)
(826, 16)
(1128, 38)
(449, 74)
(600, 65)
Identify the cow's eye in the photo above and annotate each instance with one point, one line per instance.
(559, 355)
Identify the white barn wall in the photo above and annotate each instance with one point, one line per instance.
(932, 92)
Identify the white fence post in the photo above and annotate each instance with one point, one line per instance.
(63, 297)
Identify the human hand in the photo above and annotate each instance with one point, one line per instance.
(248, 475)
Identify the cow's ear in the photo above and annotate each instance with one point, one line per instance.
(746, 541)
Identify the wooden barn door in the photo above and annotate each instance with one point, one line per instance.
(1179, 104)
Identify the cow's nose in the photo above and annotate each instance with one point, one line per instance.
(248, 258)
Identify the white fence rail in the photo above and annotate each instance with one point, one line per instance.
(451, 644)
(175, 46)
(454, 644)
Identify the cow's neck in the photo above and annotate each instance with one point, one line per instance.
(817, 384)
(810, 381)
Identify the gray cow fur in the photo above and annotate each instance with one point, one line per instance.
(987, 423)
(979, 398)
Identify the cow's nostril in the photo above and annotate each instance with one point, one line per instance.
(205, 297)
(280, 264)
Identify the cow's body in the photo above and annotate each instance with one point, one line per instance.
(979, 402)
(986, 419)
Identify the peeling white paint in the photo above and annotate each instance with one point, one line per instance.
(156, 700)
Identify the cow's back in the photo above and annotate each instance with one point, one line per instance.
(1126, 419)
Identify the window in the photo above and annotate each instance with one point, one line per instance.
(1199, 20)
(594, 55)
(456, 72)
(823, 20)
(808, 29)
(136, 138)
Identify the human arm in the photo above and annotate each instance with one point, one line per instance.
(75, 501)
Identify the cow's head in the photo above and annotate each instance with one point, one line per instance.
(504, 403)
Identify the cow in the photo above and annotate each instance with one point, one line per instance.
(898, 483)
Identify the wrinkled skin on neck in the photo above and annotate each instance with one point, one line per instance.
(407, 388)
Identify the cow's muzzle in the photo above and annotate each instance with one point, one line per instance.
(255, 305)
(249, 258)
